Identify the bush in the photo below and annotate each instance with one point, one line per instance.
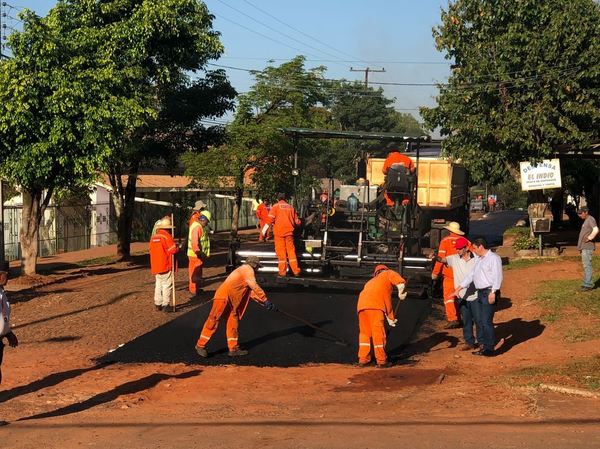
(525, 242)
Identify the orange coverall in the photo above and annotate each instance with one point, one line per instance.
(194, 262)
(448, 248)
(229, 303)
(284, 220)
(374, 305)
(396, 158)
(263, 216)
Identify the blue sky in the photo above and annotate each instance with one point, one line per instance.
(394, 35)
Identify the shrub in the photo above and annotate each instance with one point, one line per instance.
(525, 242)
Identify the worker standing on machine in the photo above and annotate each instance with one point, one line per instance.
(284, 219)
(375, 305)
(394, 160)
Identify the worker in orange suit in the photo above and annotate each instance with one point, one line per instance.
(375, 305)
(448, 248)
(396, 158)
(284, 219)
(262, 213)
(162, 248)
(198, 251)
(229, 303)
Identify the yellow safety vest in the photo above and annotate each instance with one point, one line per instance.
(204, 241)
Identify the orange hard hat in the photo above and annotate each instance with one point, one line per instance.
(379, 268)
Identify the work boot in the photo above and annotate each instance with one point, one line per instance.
(202, 352)
(158, 307)
(384, 365)
(237, 352)
(453, 325)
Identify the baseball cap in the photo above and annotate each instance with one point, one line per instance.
(461, 243)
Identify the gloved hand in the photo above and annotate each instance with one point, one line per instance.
(269, 305)
(402, 296)
(401, 293)
(12, 340)
(434, 277)
(392, 323)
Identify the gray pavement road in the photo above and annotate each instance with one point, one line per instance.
(492, 225)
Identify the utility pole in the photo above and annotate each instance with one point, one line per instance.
(367, 70)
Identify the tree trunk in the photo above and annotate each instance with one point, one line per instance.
(237, 206)
(124, 202)
(31, 217)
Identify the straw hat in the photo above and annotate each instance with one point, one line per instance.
(454, 227)
(164, 223)
(199, 205)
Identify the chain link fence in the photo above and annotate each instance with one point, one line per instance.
(75, 227)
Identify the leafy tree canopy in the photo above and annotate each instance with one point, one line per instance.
(526, 78)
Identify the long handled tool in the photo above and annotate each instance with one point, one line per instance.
(337, 340)
(173, 260)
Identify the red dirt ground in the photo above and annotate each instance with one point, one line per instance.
(440, 398)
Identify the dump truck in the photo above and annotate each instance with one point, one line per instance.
(343, 238)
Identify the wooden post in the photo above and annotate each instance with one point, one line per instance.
(173, 259)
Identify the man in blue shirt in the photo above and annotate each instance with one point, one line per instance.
(487, 278)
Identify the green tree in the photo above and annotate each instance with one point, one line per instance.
(59, 114)
(288, 95)
(525, 79)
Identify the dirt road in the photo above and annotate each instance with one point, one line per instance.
(63, 388)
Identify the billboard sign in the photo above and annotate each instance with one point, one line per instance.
(543, 175)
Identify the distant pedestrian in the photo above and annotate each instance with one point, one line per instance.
(462, 264)
(5, 330)
(229, 304)
(585, 244)
(487, 278)
(374, 306)
(162, 250)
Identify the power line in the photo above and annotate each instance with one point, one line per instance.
(343, 60)
(275, 30)
(300, 31)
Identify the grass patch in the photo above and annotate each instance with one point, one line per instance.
(557, 296)
(517, 230)
(583, 373)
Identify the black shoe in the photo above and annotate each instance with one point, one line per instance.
(384, 365)
(586, 289)
(453, 325)
(158, 308)
(237, 352)
(202, 352)
(166, 309)
(484, 353)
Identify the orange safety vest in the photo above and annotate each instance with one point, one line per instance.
(377, 293)
(162, 247)
(239, 287)
(284, 219)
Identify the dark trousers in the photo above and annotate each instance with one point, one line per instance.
(470, 312)
(487, 318)
(1, 355)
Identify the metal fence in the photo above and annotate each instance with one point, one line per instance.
(76, 227)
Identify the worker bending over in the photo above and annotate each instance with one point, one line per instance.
(229, 303)
(284, 219)
(375, 305)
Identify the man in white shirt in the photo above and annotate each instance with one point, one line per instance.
(487, 279)
(462, 264)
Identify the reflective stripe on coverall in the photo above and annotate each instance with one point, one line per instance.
(374, 305)
(448, 248)
(284, 220)
(230, 302)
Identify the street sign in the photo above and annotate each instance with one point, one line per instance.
(543, 175)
